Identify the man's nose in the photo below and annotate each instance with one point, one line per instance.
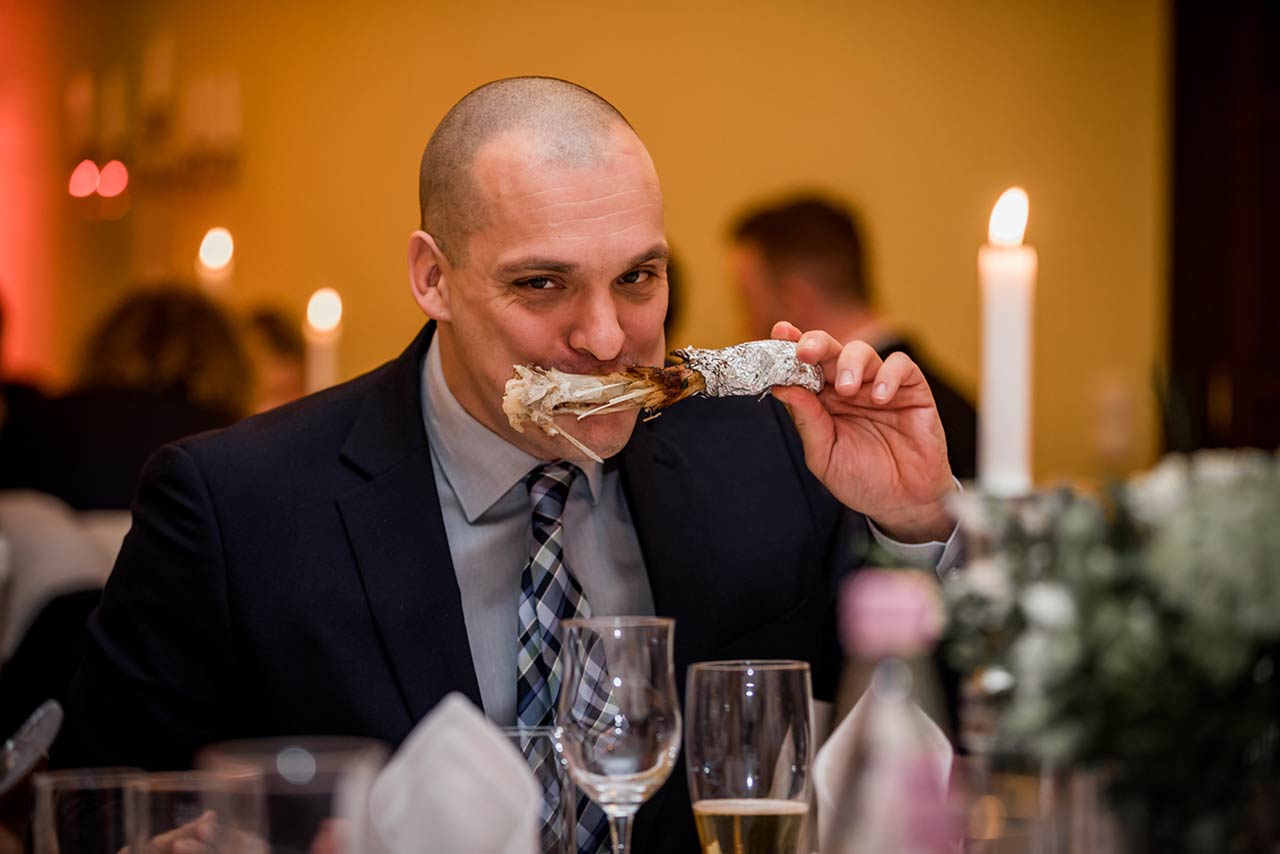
(596, 329)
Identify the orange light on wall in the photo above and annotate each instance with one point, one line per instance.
(84, 179)
(113, 179)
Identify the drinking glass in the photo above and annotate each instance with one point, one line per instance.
(748, 748)
(223, 811)
(557, 821)
(316, 789)
(81, 811)
(618, 718)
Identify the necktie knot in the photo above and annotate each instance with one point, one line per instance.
(549, 490)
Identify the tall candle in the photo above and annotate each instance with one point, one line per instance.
(323, 333)
(1007, 270)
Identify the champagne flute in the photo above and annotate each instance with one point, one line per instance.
(749, 746)
(618, 718)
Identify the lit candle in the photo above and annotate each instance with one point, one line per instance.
(323, 331)
(215, 261)
(1007, 270)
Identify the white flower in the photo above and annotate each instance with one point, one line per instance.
(1160, 491)
(1048, 605)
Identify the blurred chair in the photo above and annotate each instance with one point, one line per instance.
(51, 552)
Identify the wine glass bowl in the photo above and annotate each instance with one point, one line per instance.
(618, 717)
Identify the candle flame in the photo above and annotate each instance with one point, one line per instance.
(324, 310)
(1009, 218)
(216, 249)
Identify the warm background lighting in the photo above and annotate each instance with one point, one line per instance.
(324, 310)
(216, 249)
(84, 179)
(1009, 218)
(113, 180)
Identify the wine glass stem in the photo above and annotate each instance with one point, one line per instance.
(620, 832)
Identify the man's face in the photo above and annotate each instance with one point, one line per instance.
(755, 282)
(568, 271)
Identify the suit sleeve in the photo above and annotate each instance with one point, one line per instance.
(153, 684)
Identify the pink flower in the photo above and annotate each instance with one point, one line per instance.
(889, 612)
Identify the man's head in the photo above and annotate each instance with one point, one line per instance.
(801, 260)
(541, 242)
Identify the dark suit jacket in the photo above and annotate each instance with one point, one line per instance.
(291, 575)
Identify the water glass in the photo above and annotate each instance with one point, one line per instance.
(221, 811)
(316, 789)
(81, 811)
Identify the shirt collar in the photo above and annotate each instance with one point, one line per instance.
(480, 465)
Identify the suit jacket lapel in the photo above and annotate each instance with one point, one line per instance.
(664, 497)
(395, 528)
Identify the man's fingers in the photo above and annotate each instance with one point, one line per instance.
(896, 371)
(813, 423)
(857, 363)
(785, 331)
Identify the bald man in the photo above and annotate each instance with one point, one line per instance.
(341, 564)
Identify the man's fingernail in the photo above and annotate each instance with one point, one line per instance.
(881, 390)
(845, 379)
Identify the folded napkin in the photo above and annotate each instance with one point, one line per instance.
(832, 763)
(457, 784)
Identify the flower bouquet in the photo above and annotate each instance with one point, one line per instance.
(1139, 634)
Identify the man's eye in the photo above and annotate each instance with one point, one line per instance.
(537, 283)
(635, 277)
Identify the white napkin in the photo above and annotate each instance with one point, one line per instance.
(831, 765)
(457, 784)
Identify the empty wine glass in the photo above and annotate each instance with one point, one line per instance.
(618, 718)
(749, 746)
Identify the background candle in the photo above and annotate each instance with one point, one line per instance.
(323, 333)
(1007, 271)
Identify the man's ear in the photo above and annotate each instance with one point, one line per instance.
(427, 276)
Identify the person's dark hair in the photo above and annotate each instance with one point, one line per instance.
(281, 333)
(813, 236)
(567, 121)
(171, 339)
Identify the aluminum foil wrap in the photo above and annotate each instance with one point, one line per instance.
(751, 369)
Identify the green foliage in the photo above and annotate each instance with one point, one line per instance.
(1143, 634)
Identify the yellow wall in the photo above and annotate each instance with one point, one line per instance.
(920, 112)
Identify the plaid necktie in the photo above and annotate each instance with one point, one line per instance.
(549, 594)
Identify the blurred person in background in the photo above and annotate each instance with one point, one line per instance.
(804, 260)
(167, 362)
(278, 353)
(16, 397)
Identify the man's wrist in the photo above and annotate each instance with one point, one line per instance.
(922, 523)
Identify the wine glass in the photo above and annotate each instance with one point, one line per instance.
(177, 810)
(749, 745)
(618, 719)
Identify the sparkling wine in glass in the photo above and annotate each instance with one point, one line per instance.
(749, 745)
(618, 718)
